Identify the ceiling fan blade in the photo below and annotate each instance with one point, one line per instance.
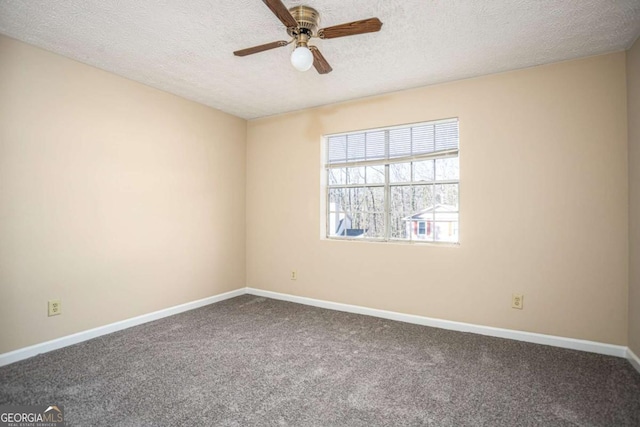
(321, 64)
(261, 48)
(281, 11)
(370, 25)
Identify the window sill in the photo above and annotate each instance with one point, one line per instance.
(394, 242)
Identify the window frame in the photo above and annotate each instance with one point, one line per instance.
(387, 185)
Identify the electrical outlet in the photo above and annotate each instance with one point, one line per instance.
(55, 307)
(517, 301)
(294, 275)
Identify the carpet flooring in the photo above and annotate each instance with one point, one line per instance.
(252, 361)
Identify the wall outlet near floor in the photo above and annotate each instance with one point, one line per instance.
(55, 307)
(294, 275)
(517, 301)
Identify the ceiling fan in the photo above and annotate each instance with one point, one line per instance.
(302, 24)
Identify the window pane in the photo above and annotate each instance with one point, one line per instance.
(401, 198)
(364, 225)
(358, 222)
(356, 199)
(377, 225)
(338, 199)
(375, 174)
(446, 231)
(446, 225)
(399, 142)
(375, 145)
(423, 139)
(371, 224)
(355, 175)
(337, 223)
(423, 171)
(355, 146)
(399, 225)
(447, 195)
(337, 149)
(446, 136)
(400, 172)
(374, 199)
(337, 176)
(422, 198)
(448, 168)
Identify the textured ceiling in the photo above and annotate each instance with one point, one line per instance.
(185, 47)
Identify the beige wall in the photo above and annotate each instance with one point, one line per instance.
(115, 197)
(633, 108)
(121, 200)
(543, 154)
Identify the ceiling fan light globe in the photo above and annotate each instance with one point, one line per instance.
(301, 58)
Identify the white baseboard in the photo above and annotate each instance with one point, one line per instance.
(633, 359)
(34, 350)
(571, 343)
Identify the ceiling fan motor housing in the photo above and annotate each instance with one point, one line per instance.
(308, 21)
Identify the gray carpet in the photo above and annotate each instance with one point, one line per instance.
(252, 361)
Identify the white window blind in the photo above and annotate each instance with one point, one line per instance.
(422, 140)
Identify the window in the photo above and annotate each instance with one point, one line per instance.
(421, 228)
(394, 184)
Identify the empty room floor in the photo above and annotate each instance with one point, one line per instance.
(257, 361)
